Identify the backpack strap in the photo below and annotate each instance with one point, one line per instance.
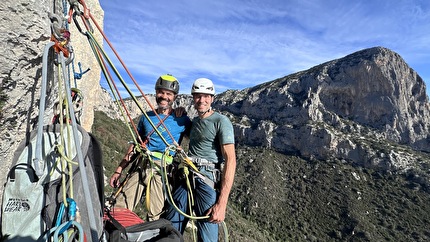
(30, 171)
(115, 223)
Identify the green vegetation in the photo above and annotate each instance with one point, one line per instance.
(113, 136)
(286, 198)
(299, 200)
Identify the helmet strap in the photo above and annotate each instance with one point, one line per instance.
(203, 113)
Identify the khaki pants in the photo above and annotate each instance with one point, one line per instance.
(132, 192)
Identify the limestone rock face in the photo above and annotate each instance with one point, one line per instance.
(339, 109)
(25, 30)
(112, 109)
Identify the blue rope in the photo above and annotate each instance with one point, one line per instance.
(65, 10)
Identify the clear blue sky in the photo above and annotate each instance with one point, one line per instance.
(242, 43)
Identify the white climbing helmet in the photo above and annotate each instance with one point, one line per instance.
(203, 85)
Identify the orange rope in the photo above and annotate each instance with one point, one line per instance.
(121, 99)
(87, 15)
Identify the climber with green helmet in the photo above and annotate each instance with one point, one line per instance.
(173, 130)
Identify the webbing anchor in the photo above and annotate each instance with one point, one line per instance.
(78, 75)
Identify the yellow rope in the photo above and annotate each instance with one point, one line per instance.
(148, 186)
(60, 146)
(121, 79)
(114, 93)
(169, 193)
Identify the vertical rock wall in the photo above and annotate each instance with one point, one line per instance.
(25, 29)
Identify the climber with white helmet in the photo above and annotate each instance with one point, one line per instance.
(212, 151)
(203, 87)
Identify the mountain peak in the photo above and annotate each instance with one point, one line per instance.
(335, 109)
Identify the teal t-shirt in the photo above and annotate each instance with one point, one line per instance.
(177, 126)
(208, 134)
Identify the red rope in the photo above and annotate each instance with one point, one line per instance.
(87, 15)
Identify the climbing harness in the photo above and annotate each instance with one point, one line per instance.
(137, 165)
(186, 171)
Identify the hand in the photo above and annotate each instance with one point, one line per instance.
(216, 213)
(179, 111)
(114, 179)
(179, 150)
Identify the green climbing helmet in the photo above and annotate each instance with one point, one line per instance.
(168, 82)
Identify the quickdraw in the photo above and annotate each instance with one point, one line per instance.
(60, 36)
